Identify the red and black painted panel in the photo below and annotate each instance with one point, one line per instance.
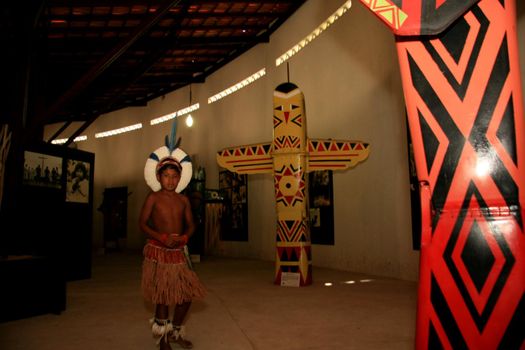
(464, 100)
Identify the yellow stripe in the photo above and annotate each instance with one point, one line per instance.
(293, 244)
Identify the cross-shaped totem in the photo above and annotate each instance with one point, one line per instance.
(290, 156)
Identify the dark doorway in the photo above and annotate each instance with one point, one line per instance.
(115, 210)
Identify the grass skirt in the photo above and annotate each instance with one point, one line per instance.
(166, 277)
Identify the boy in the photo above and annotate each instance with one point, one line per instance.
(167, 279)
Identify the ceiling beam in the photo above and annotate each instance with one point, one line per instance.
(125, 3)
(59, 131)
(76, 31)
(77, 45)
(119, 91)
(100, 67)
(172, 15)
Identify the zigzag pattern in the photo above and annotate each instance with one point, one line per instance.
(388, 11)
(335, 154)
(247, 159)
(336, 146)
(418, 17)
(261, 150)
(292, 231)
(287, 142)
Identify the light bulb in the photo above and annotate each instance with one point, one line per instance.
(189, 121)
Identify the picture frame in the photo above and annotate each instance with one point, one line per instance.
(78, 181)
(321, 205)
(42, 170)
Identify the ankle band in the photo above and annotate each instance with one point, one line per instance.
(161, 328)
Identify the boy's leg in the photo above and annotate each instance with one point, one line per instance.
(179, 315)
(162, 311)
(162, 326)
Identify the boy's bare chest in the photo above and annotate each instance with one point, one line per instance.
(168, 215)
(170, 205)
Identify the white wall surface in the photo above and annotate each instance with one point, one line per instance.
(351, 82)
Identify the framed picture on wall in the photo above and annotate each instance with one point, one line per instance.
(78, 181)
(233, 189)
(321, 202)
(42, 170)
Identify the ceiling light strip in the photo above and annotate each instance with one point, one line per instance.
(178, 113)
(163, 119)
(237, 86)
(314, 34)
(62, 141)
(187, 110)
(118, 131)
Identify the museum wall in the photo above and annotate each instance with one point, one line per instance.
(351, 82)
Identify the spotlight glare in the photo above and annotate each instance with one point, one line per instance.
(483, 168)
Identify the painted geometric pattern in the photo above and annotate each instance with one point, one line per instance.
(286, 156)
(387, 11)
(296, 258)
(465, 115)
(250, 159)
(290, 185)
(418, 17)
(335, 155)
(292, 231)
(287, 141)
(289, 129)
(296, 119)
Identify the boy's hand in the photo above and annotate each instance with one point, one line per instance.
(166, 239)
(179, 240)
(170, 241)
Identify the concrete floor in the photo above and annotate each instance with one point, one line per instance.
(244, 310)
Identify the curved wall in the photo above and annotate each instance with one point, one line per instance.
(350, 79)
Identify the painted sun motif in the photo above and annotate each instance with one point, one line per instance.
(289, 185)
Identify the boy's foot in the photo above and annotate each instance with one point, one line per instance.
(177, 336)
(164, 345)
(183, 343)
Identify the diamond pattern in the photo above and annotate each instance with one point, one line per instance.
(477, 257)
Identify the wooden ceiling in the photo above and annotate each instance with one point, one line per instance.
(74, 60)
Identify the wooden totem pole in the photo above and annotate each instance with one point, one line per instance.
(289, 157)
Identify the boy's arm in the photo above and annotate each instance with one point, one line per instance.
(189, 224)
